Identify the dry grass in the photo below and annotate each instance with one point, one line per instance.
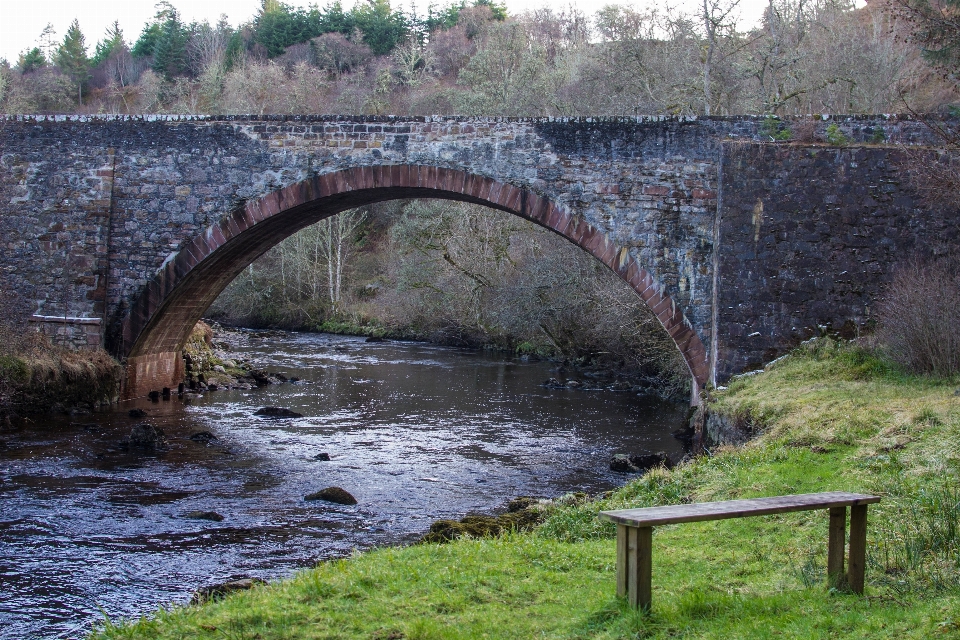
(37, 376)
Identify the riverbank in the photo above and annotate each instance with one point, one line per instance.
(37, 376)
(830, 418)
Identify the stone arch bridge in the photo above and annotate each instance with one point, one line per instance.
(120, 231)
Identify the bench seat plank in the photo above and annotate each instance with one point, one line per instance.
(698, 512)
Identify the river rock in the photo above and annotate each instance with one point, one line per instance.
(217, 591)
(323, 457)
(684, 434)
(146, 436)
(374, 339)
(332, 494)
(644, 461)
(213, 516)
(277, 412)
(574, 384)
(137, 413)
(262, 378)
(203, 436)
(620, 462)
(639, 462)
(553, 383)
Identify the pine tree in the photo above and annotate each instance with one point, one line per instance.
(170, 51)
(112, 40)
(71, 58)
(31, 60)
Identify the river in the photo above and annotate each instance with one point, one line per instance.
(415, 432)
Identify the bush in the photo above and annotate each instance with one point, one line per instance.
(919, 317)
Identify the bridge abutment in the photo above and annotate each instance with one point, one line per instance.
(153, 372)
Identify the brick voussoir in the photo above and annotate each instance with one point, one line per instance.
(492, 195)
(217, 236)
(553, 217)
(230, 227)
(239, 217)
(608, 254)
(270, 205)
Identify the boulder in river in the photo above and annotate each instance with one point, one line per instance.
(323, 457)
(553, 383)
(639, 462)
(277, 412)
(620, 462)
(217, 591)
(213, 516)
(146, 436)
(203, 436)
(332, 494)
(137, 413)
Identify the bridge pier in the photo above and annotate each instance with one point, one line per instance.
(153, 372)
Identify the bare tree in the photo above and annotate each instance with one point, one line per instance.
(719, 22)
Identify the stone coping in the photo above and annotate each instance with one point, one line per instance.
(159, 117)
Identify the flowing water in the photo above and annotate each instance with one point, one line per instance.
(415, 432)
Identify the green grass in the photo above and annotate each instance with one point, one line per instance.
(831, 417)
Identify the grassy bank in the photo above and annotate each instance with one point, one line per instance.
(38, 377)
(830, 418)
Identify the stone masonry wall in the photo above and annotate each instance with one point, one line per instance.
(91, 208)
(809, 236)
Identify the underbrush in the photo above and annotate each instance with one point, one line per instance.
(831, 417)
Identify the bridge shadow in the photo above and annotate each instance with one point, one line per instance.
(159, 322)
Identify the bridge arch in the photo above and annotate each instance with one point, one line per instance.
(160, 320)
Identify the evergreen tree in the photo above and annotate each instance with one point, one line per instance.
(382, 28)
(170, 50)
(147, 41)
(71, 58)
(31, 60)
(112, 40)
(335, 20)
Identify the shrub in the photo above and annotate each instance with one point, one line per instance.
(918, 317)
(835, 136)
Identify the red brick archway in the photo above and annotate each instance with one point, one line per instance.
(159, 322)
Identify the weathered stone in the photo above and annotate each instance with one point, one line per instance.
(276, 412)
(218, 591)
(213, 516)
(621, 463)
(146, 436)
(332, 494)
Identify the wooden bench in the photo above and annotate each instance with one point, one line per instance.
(635, 534)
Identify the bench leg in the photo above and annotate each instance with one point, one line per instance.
(622, 534)
(858, 547)
(634, 546)
(835, 546)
